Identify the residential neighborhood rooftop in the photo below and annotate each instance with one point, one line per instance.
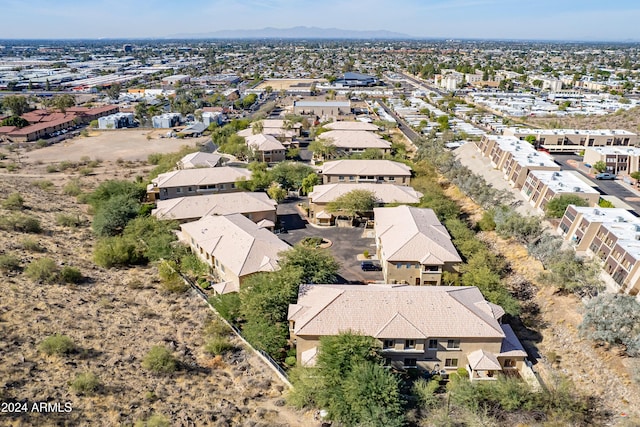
(213, 204)
(365, 167)
(388, 193)
(563, 181)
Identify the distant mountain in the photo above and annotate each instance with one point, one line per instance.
(294, 33)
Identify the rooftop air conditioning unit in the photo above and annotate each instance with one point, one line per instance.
(577, 189)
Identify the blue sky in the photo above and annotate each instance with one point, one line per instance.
(504, 19)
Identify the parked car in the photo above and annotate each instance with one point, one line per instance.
(369, 266)
(605, 175)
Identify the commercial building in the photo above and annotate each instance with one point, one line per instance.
(322, 108)
(619, 160)
(541, 187)
(572, 140)
(116, 121)
(515, 158)
(613, 235)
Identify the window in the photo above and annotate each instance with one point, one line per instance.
(352, 178)
(451, 363)
(178, 190)
(341, 178)
(453, 344)
(392, 179)
(509, 363)
(190, 189)
(410, 344)
(389, 344)
(411, 363)
(433, 344)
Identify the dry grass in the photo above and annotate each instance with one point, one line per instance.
(627, 120)
(114, 318)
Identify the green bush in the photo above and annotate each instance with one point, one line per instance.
(70, 275)
(9, 262)
(67, 220)
(117, 252)
(13, 202)
(85, 384)
(57, 345)
(155, 420)
(425, 392)
(175, 285)
(215, 327)
(487, 223)
(53, 168)
(159, 360)
(20, 222)
(291, 361)
(113, 215)
(218, 345)
(43, 270)
(32, 245)
(42, 184)
(72, 188)
(85, 171)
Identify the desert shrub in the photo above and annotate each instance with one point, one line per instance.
(32, 245)
(68, 220)
(9, 262)
(487, 223)
(85, 171)
(159, 360)
(72, 188)
(613, 319)
(425, 392)
(218, 345)
(53, 168)
(42, 184)
(215, 327)
(70, 275)
(290, 361)
(43, 270)
(113, 188)
(155, 420)
(546, 249)
(85, 383)
(175, 285)
(41, 143)
(509, 223)
(57, 345)
(556, 206)
(63, 166)
(117, 251)
(228, 305)
(12, 166)
(20, 222)
(13, 202)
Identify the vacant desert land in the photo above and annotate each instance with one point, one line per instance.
(280, 84)
(128, 145)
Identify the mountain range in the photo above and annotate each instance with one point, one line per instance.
(294, 33)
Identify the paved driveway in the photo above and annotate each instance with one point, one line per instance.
(348, 243)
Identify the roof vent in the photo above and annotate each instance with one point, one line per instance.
(577, 189)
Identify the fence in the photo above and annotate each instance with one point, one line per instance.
(261, 354)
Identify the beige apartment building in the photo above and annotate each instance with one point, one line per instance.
(619, 160)
(541, 187)
(613, 235)
(515, 158)
(573, 140)
(258, 207)
(371, 171)
(195, 182)
(432, 328)
(413, 246)
(266, 147)
(233, 247)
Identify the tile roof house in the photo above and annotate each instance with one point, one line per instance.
(255, 206)
(375, 171)
(353, 126)
(413, 246)
(200, 160)
(194, 182)
(427, 327)
(322, 195)
(234, 247)
(267, 147)
(280, 129)
(355, 141)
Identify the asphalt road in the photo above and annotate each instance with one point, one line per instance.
(402, 125)
(348, 243)
(611, 188)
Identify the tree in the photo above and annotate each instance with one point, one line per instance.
(570, 273)
(16, 103)
(309, 182)
(276, 192)
(556, 206)
(142, 112)
(322, 149)
(16, 121)
(114, 214)
(635, 175)
(600, 166)
(290, 174)
(257, 127)
(613, 319)
(62, 102)
(113, 91)
(314, 265)
(353, 203)
(443, 122)
(531, 139)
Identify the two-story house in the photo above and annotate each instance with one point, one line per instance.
(195, 182)
(359, 171)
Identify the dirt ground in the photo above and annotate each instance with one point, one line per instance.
(114, 317)
(627, 120)
(128, 145)
(280, 84)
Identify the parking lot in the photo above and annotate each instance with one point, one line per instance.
(347, 243)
